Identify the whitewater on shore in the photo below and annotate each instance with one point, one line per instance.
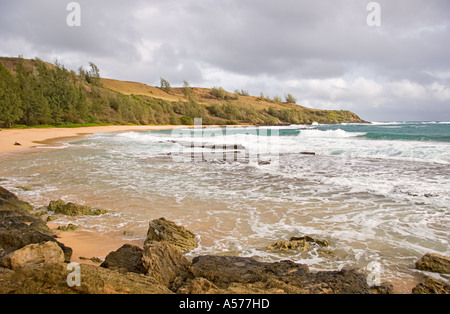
(379, 193)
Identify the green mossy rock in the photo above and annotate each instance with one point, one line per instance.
(71, 209)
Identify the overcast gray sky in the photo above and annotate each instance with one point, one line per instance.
(323, 52)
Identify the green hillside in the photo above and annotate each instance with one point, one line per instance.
(33, 93)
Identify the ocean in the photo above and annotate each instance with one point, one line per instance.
(380, 192)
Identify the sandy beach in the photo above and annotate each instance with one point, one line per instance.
(29, 138)
(87, 245)
(84, 244)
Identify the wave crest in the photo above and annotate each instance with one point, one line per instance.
(329, 134)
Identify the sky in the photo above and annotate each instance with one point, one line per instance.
(327, 53)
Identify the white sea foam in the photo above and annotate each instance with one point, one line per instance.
(329, 134)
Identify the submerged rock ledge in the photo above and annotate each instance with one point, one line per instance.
(32, 261)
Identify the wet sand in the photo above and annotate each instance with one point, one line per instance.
(87, 245)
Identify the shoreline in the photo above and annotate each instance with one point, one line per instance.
(32, 138)
(42, 137)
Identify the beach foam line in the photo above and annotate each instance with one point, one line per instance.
(329, 134)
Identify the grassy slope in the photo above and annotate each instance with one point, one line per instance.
(203, 96)
(280, 112)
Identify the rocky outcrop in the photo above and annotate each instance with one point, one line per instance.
(34, 255)
(301, 245)
(19, 228)
(69, 227)
(128, 258)
(434, 263)
(165, 230)
(304, 243)
(32, 261)
(224, 270)
(438, 264)
(309, 239)
(246, 275)
(52, 279)
(9, 201)
(71, 209)
(160, 260)
(165, 263)
(432, 286)
(198, 286)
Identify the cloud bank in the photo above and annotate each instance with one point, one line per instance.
(323, 52)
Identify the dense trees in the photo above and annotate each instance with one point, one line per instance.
(10, 107)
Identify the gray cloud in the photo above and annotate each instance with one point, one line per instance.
(321, 51)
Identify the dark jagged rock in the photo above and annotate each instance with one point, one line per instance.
(383, 288)
(320, 242)
(17, 231)
(337, 282)
(198, 286)
(301, 245)
(224, 270)
(71, 209)
(69, 227)
(165, 263)
(165, 230)
(432, 286)
(246, 275)
(19, 228)
(308, 153)
(128, 257)
(9, 201)
(434, 263)
(52, 279)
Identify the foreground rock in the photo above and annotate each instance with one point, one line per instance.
(438, 264)
(228, 274)
(34, 255)
(9, 201)
(19, 228)
(71, 209)
(165, 230)
(52, 279)
(432, 286)
(434, 263)
(246, 275)
(160, 260)
(165, 263)
(127, 258)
